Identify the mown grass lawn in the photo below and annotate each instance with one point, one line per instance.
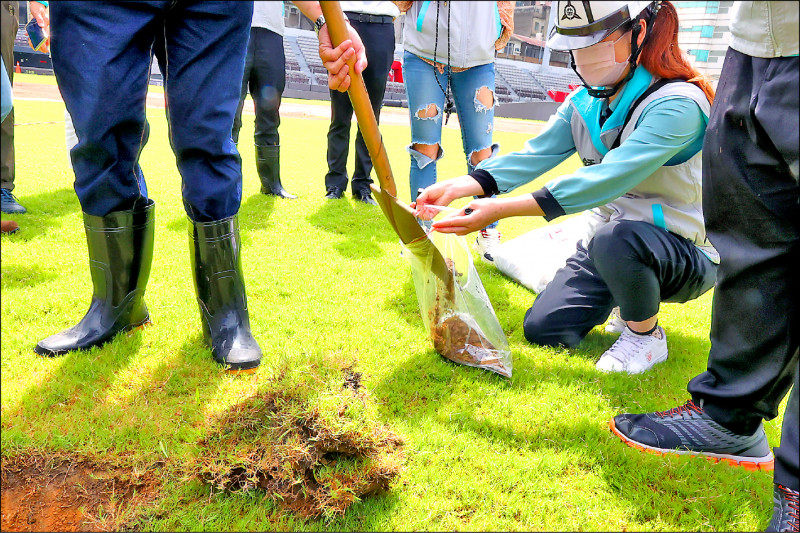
(325, 281)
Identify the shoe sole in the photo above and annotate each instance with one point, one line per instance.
(44, 352)
(753, 465)
(237, 371)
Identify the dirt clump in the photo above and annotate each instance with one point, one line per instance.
(314, 450)
(352, 380)
(70, 494)
(456, 340)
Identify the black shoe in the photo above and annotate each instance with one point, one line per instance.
(365, 197)
(689, 430)
(334, 193)
(219, 285)
(120, 253)
(785, 510)
(269, 171)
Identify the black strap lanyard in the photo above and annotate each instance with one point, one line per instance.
(650, 90)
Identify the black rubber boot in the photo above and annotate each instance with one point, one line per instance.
(218, 283)
(120, 254)
(269, 171)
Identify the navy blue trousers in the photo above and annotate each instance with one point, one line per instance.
(102, 64)
(751, 202)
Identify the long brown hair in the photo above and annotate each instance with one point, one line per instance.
(662, 56)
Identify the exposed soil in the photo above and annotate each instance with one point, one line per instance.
(66, 494)
(352, 380)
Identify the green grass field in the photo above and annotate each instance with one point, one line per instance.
(325, 282)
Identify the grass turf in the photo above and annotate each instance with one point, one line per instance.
(325, 282)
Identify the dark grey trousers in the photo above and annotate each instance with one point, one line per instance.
(751, 201)
(632, 264)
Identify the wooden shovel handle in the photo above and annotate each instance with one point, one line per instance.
(334, 19)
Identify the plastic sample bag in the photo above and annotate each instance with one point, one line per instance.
(533, 258)
(457, 312)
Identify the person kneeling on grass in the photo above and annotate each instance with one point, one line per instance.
(638, 124)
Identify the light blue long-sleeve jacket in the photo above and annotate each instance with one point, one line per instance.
(669, 132)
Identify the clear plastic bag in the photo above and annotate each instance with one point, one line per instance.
(456, 311)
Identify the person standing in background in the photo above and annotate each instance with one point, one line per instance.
(265, 77)
(373, 21)
(7, 226)
(449, 52)
(9, 13)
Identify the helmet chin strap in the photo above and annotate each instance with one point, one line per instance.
(608, 92)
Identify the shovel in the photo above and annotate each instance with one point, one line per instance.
(399, 215)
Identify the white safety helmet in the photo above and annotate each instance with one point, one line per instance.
(582, 24)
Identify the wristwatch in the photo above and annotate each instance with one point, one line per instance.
(318, 24)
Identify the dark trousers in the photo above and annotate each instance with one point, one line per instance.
(378, 41)
(265, 78)
(9, 16)
(102, 62)
(751, 201)
(632, 264)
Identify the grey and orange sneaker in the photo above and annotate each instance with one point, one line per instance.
(786, 510)
(688, 430)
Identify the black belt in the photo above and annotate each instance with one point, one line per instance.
(364, 17)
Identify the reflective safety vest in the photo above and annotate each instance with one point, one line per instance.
(670, 198)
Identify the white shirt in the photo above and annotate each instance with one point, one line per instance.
(268, 15)
(372, 8)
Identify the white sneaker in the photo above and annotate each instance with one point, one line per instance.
(634, 353)
(485, 243)
(615, 322)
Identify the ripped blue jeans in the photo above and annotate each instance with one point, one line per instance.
(426, 108)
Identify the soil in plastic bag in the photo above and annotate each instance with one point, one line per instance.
(458, 313)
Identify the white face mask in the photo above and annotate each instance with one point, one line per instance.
(597, 64)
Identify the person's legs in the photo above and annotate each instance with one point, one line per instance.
(338, 145)
(473, 92)
(425, 105)
(575, 301)
(378, 41)
(246, 81)
(9, 15)
(644, 265)
(206, 45)
(750, 201)
(267, 86)
(205, 52)
(787, 455)
(106, 101)
(102, 62)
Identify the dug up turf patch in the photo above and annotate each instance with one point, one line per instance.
(309, 439)
(68, 494)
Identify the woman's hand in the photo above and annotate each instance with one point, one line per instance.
(482, 212)
(443, 193)
(477, 215)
